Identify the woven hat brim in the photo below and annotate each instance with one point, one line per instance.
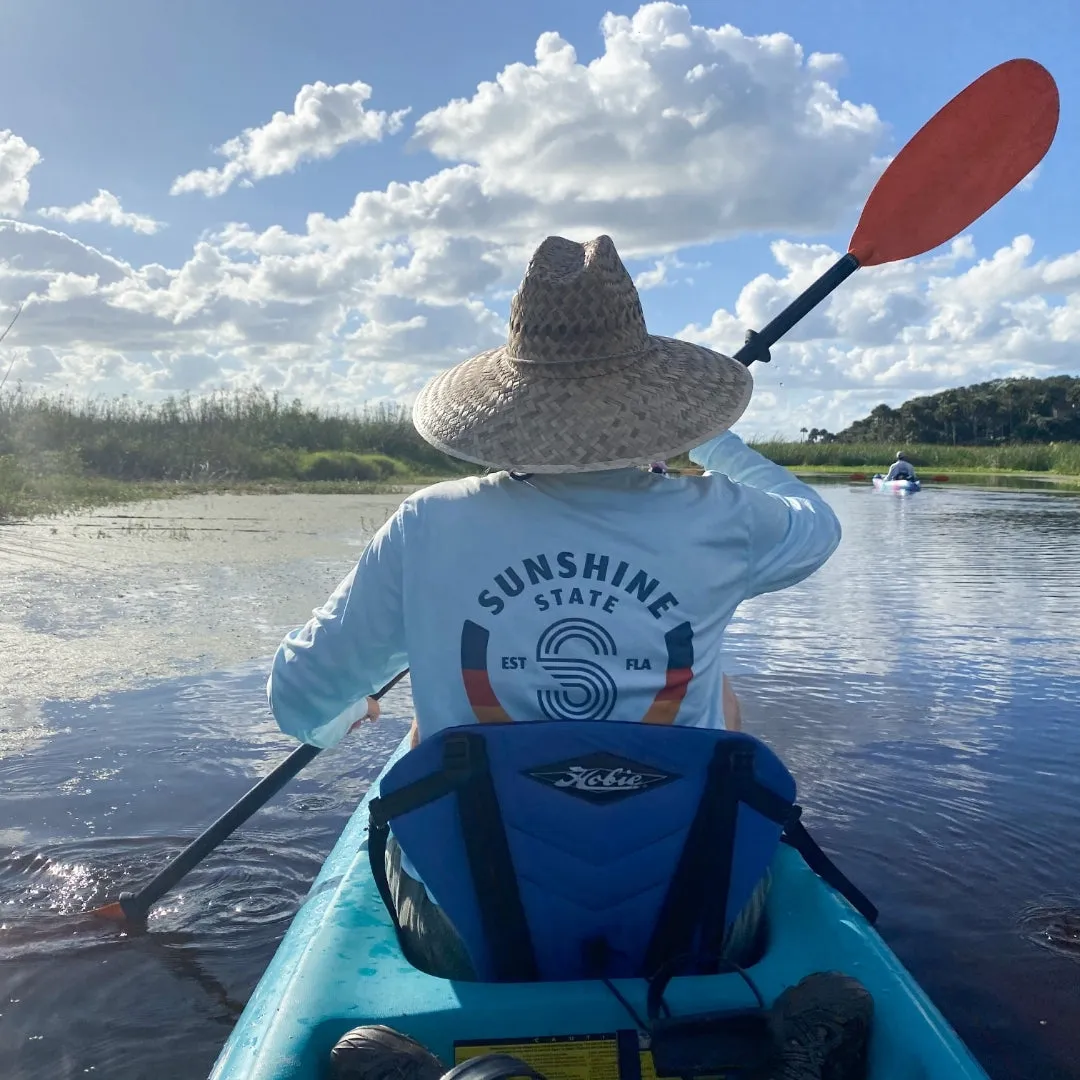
(578, 417)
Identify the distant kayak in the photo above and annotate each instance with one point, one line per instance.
(881, 484)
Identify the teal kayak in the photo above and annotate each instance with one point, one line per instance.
(340, 966)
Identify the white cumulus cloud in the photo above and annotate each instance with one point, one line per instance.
(17, 158)
(660, 273)
(676, 135)
(892, 332)
(104, 208)
(324, 119)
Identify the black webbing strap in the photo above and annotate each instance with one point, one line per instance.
(699, 890)
(384, 808)
(758, 797)
(466, 773)
(502, 915)
(703, 873)
(378, 831)
(380, 810)
(796, 836)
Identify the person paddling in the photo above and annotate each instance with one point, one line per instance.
(570, 583)
(901, 468)
(569, 525)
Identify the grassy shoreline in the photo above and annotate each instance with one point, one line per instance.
(1061, 458)
(928, 474)
(62, 454)
(60, 495)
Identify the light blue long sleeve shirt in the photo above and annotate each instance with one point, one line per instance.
(573, 596)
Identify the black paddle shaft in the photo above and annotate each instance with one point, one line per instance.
(136, 905)
(759, 342)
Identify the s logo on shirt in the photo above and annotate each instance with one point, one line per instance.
(586, 689)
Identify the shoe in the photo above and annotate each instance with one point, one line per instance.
(376, 1052)
(822, 1026)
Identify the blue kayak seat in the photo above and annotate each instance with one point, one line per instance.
(586, 849)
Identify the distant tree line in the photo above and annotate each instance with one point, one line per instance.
(989, 413)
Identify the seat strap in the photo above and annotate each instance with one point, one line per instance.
(466, 773)
(697, 898)
(502, 914)
(705, 855)
(796, 836)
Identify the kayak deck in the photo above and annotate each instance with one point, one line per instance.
(340, 966)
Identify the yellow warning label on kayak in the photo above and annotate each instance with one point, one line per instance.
(570, 1057)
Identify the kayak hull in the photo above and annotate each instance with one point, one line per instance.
(881, 484)
(339, 966)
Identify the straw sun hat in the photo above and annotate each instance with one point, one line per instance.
(580, 383)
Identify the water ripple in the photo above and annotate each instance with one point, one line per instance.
(922, 688)
(1054, 924)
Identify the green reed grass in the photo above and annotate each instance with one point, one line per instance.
(61, 452)
(1060, 458)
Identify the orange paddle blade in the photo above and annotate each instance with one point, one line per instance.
(114, 912)
(969, 155)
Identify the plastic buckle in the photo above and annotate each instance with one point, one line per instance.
(458, 755)
(377, 819)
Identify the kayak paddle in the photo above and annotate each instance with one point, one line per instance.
(133, 907)
(970, 155)
(967, 157)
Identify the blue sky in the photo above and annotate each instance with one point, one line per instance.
(127, 96)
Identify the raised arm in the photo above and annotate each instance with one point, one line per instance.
(793, 530)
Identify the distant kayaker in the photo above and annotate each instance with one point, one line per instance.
(901, 468)
(571, 583)
(658, 467)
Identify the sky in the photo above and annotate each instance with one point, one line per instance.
(336, 200)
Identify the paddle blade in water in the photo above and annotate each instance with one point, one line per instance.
(113, 912)
(972, 153)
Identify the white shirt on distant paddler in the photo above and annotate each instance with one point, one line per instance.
(600, 595)
(900, 470)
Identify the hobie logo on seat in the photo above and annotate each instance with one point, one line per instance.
(601, 777)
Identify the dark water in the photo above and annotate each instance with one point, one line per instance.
(924, 687)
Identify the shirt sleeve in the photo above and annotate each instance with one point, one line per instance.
(354, 644)
(792, 529)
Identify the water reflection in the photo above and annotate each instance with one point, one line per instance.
(923, 688)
